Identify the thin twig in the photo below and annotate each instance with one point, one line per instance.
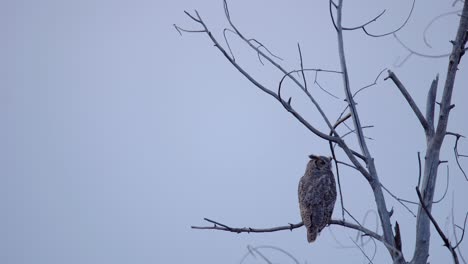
(401, 201)
(414, 52)
(362, 251)
(446, 187)
(325, 90)
(455, 231)
(369, 85)
(395, 30)
(251, 249)
(346, 164)
(332, 150)
(302, 66)
(363, 26)
(457, 155)
(367, 23)
(463, 231)
(419, 169)
(437, 227)
(432, 22)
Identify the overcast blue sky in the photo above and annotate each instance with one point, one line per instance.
(118, 134)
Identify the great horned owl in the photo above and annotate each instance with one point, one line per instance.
(317, 195)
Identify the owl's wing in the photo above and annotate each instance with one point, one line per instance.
(321, 199)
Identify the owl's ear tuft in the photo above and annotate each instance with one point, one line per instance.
(312, 156)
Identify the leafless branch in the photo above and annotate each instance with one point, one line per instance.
(256, 249)
(363, 26)
(325, 90)
(346, 164)
(395, 30)
(367, 23)
(398, 243)
(398, 65)
(362, 251)
(252, 250)
(180, 30)
(290, 227)
(446, 187)
(410, 101)
(414, 52)
(437, 227)
(419, 169)
(463, 231)
(372, 178)
(434, 143)
(332, 150)
(222, 227)
(432, 22)
(369, 85)
(260, 45)
(455, 150)
(455, 231)
(227, 42)
(302, 67)
(430, 103)
(401, 201)
(358, 91)
(353, 131)
(351, 154)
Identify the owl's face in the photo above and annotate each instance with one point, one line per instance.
(320, 162)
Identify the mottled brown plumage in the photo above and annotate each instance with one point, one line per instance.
(317, 195)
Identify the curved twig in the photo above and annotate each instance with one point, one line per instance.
(367, 23)
(413, 52)
(432, 22)
(455, 150)
(256, 249)
(396, 30)
(446, 187)
(363, 26)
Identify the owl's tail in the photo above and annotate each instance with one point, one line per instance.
(311, 235)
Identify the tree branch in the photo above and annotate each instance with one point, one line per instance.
(455, 150)
(434, 143)
(373, 178)
(430, 103)
(437, 227)
(290, 227)
(410, 101)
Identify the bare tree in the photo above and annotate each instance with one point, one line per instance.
(435, 129)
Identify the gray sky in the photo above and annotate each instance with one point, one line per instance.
(119, 134)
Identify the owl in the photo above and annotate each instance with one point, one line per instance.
(317, 195)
